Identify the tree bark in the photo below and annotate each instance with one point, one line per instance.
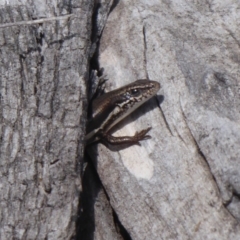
(184, 183)
(45, 52)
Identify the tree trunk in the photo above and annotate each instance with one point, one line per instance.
(44, 68)
(184, 183)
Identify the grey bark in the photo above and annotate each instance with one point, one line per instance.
(44, 68)
(181, 184)
(184, 183)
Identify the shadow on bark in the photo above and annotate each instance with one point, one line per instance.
(91, 186)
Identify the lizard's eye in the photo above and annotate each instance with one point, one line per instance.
(135, 91)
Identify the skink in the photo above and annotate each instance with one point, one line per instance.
(110, 108)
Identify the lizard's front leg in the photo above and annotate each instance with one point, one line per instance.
(139, 136)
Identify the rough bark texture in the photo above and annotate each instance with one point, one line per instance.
(44, 68)
(184, 183)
